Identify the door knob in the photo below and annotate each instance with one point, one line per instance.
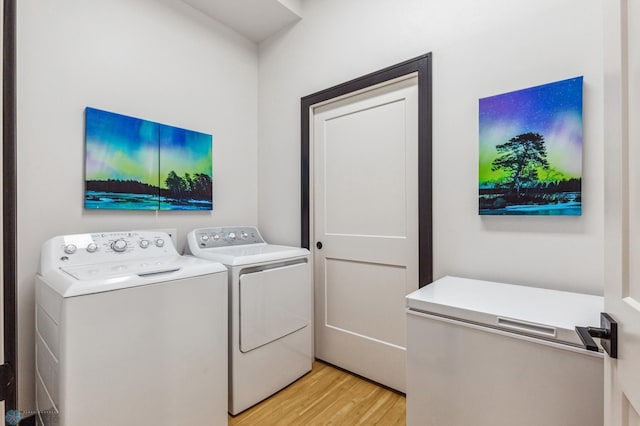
(607, 333)
(319, 245)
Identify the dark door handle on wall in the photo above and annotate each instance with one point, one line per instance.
(319, 245)
(607, 333)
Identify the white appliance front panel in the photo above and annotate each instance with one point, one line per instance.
(465, 374)
(149, 355)
(273, 303)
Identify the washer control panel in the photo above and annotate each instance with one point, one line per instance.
(227, 236)
(83, 249)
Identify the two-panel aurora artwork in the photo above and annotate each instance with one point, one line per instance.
(530, 160)
(135, 164)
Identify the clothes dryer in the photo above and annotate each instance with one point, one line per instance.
(270, 335)
(128, 332)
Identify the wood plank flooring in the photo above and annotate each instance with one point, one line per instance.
(327, 396)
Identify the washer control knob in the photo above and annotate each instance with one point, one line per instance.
(231, 236)
(119, 246)
(204, 238)
(144, 244)
(159, 242)
(92, 247)
(70, 248)
(216, 237)
(244, 235)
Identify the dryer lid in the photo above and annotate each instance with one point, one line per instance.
(238, 245)
(251, 254)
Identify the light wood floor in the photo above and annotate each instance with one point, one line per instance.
(327, 396)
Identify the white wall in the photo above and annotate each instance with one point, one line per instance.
(154, 59)
(479, 49)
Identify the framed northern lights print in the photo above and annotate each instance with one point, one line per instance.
(530, 157)
(135, 164)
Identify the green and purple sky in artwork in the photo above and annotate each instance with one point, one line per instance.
(554, 110)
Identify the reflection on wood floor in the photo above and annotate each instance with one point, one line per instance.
(327, 396)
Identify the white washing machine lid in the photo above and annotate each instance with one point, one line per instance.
(79, 264)
(548, 314)
(88, 279)
(251, 254)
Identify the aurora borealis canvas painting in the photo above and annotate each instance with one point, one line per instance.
(530, 157)
(135, 164)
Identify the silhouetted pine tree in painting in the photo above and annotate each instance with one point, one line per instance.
(121, 186)
(183, 188)
(198, 187)
(521, 157)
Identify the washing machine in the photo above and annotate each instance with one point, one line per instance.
(128, 332)
(270, 334)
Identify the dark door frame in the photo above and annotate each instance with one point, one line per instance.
(8, 385)
(421, 65)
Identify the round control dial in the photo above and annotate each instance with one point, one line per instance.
(92, 247)
(159, 242)
(231, 236)
(119, 246)
(144, 244)
(70, 248)
(204, 238)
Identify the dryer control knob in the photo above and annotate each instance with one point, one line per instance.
(70, 248)
(92, 247)
(159, 242)
(119, 246)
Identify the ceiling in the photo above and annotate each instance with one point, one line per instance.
(254, 19)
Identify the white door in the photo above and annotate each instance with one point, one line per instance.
(365, 215)
(622, 211)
